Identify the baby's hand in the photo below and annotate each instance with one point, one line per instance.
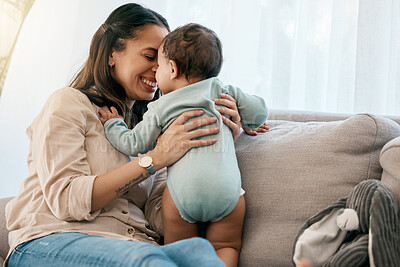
(262, 129)
(106, 114)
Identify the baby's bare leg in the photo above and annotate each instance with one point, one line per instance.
(226, 234)
(175, 228)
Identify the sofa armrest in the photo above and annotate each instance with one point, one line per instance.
(4, 247)
(389, 159)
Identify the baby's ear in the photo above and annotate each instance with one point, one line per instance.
(173, 69)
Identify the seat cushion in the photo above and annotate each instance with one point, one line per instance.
(298, 168)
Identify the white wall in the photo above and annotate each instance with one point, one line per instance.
(53, 44)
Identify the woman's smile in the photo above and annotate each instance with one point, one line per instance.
(150, 84)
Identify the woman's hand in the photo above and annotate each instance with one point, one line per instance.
(178, 138)
(231, 110)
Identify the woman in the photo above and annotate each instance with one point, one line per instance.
(83, 202)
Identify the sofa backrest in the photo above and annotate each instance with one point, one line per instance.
(309, 116)
(299, 167)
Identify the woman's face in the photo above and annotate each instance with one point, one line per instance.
(135, 67)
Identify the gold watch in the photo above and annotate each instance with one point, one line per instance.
(146, 161)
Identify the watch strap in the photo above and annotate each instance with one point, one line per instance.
(151, 169)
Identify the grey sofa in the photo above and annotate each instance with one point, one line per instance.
(305, 162)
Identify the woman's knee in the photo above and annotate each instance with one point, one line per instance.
(195, 251)
(147, 255)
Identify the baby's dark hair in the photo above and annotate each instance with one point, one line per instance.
(196, 50)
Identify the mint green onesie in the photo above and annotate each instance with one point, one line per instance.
(205, 183)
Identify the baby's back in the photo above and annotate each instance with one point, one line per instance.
(205, 184)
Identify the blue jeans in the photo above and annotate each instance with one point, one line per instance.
(76, 249)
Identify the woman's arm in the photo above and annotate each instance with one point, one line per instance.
(171, 146)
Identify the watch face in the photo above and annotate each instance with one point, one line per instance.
(145, 161)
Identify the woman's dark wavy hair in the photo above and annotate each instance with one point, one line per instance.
(95, 79)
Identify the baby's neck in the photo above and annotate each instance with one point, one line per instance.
(183, 82)
(180, 83)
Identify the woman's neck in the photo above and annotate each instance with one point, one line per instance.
(130, 103)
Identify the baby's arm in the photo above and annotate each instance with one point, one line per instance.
(252, 109)
(140, 139)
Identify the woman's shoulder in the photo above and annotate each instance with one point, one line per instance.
(66, 104)
(67, 101)
(68, 93)
(68, 97)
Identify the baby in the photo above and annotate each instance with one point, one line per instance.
(205, 184)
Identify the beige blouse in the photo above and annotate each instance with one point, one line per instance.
(68, 149)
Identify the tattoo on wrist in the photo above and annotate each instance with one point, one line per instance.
(131, 183)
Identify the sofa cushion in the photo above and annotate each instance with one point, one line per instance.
(390, 162)
(298, 168)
